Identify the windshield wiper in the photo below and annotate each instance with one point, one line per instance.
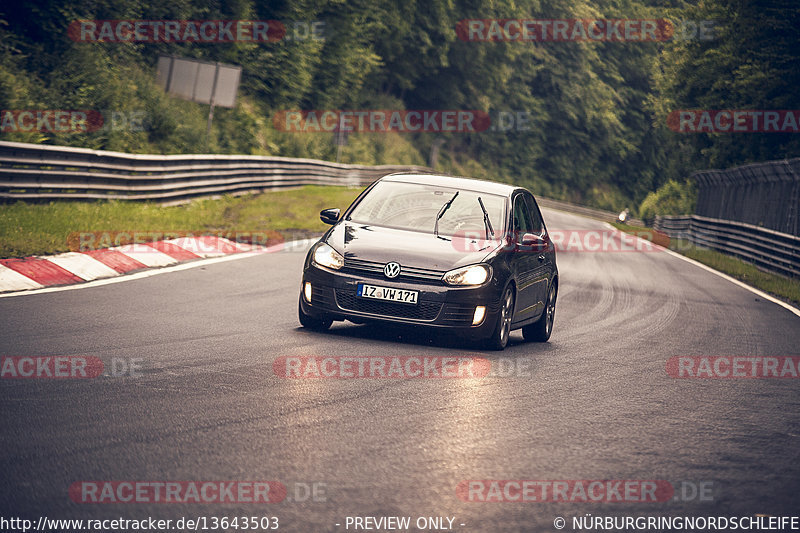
(444, 208)
(486, 221)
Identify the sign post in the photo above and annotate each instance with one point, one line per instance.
(215, 84)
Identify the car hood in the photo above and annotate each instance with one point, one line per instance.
(409, 248)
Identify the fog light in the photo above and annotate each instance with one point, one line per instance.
(307, 291)
(478, 317)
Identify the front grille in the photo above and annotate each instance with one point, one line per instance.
(422, 311)
(375, 270)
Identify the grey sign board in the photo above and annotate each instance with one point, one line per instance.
(199, 81)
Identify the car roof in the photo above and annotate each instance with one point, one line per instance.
(489, 187)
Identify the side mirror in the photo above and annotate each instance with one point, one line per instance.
(329, 216)
(537, 243)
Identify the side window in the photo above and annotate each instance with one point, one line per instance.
(522, 218)
(536, 217)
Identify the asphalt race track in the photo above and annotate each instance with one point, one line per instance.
(595, 403)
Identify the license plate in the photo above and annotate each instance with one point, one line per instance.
(387, 293)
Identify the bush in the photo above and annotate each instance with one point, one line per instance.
(672, 198)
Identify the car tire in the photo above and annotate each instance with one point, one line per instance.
(502, 331)
(541, 330)
(311, 322)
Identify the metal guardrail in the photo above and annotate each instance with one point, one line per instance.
(45, 172)
(763, 194)
(766, 248)
(32, 171)
(677, 227)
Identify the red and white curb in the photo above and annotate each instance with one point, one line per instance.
(32, 273)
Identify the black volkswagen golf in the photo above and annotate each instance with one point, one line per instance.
(467, 255)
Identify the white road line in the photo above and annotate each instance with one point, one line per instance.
(82, 265)
(735, 281)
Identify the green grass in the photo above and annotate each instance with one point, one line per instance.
(787, 289)
(48, 228)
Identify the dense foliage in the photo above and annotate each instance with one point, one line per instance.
(596, 111)
(672, 198)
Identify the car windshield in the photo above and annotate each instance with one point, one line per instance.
(413, 206)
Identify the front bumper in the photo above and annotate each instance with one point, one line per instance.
(438, 306)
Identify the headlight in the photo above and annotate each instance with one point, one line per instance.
(327, 257)
(471, 275)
